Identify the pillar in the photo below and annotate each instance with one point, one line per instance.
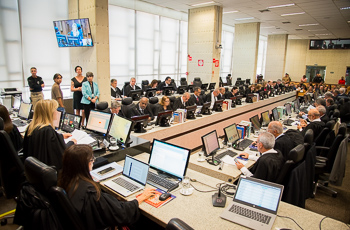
(276, 56)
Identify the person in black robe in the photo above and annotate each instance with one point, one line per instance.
(181, 102)
(231, 93)
(41, 140)
(315, 123)
(196, 98)
(268, 166)
(116, 93)
(142, 108)
(283, 143)
(163, 105)
(11, 129)
(98, 210)
(130, 87)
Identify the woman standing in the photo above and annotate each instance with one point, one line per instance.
(11, 129)
(91, 94)
(76, 86)
(98, 210)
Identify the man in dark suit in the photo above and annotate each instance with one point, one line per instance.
(196, 98)
(116, 93)
(282, 142)
(329, 106)
(315, 123)
(142, 108)
(116, 109)
(231, 93)
(132, 86)
(166, 83)
(212, 97)
(268, 165)
(181, 102)
(222, 93)
(323, 113)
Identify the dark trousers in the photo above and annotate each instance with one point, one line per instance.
(87, 109)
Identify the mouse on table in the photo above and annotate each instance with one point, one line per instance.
(164, 196)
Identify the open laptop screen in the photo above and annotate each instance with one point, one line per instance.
(169, 158)
(258, 193)
(135, 170)
(24, 110)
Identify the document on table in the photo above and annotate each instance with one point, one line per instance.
(81, 137)
(230, 160)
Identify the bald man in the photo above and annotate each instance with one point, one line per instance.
(315, 123)
(181, 102)
(212, 97)
(282, 142)
(142, 108)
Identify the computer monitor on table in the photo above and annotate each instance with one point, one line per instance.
(275, 114)
(24, 110)
(191, 112)
(135, 94)
(168, 90)
(16, 102)
(204, 86)
(288, 107)
(181, 89)
(70, 122)
(120, 129)
(206, 108)
(218, 105)
(212, 86)
(150, 92)
(140, 123)
(190, 88)
(231, 134)
(255, 122)
(210, 146)
(296, 104)
(265, 116)
(163, 118)
(98, 121)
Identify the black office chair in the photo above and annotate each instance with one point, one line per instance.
(228, 81)
(310, 162)
(177, 224)
(197, 82)
(1, 124)
(183, 81)
(144, 84)
(320, 139)
(102, 106)
(153, 103)
(239, 79)
(127, 103)
(172, 100)
(125, 84)
(336, 115)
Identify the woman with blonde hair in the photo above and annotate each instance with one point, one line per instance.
(164, 104)
(41, 140)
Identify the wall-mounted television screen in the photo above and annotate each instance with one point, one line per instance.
(73, 33)
(330, 44)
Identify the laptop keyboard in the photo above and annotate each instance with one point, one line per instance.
(156, 180)
(228, 152)
(125, 184)
(245, 143)
(19, 123)
(250, 214)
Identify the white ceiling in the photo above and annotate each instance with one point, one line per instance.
(333, 23)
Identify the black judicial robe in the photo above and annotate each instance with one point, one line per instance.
(268, 166)
(106, 212)
(46, 145)
(316, 126)
(16, 138)
(284, 144)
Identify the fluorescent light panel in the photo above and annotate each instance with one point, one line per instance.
(316, 30)
(314, 24)
(292, 14)
(204, 3)
(242, 19)
(322, 34)
(345, 8)
(270, 7)
(230, 12)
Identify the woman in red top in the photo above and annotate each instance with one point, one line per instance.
(341, 81)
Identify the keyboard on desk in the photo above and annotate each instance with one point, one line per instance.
(161, 182)
(228, 152)
(245, 143)
(19, 123)
(250, 214)
(288, 122)
(125, 184)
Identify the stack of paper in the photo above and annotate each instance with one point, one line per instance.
(81, 137)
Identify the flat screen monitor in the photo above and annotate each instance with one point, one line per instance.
(120, 129)
(231, 133)
(168, 90)
(210, 143)
(212, 86)
(296, 105)
(57, 116)
(204, 86)
(70, 122)
(288, 107)
(190, 88)
(169, 158)
(140, 123)
(73, 33)
(6, 101)
(255, 122)
(163, 118)
(206, 108)
(181, 89)
(135, 94)
(98, 121)
(265, 118)
(24, 110)
(16, 102)
(191, 111)
(275, 114)
(218, 105)
(150, 92)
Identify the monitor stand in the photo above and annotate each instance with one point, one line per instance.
(212, 161)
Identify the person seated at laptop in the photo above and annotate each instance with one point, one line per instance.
(41, 140)
(231, 93)
(164, 104)
(196, 98)
(181, 102)
(283, 143)
(97, 209)
(142, 108)
(116, 108)
(268, 166)
(132, 86)
(11, 129)
(315, 122)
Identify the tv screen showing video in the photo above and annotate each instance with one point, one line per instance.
(73, 33)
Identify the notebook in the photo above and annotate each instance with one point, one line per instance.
(133, 178)
(257, 198)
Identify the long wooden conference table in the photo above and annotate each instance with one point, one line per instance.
(188, 134)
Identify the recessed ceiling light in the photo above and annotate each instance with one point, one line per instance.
(345, 8)
(267, 27)
(242, 19)
(292, 14)
(230, 12)
(316, 30)
(204, 3)
(314, 24)
(292, 4)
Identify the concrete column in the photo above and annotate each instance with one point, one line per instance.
(93, 59)
(276, 56)
(245, 51)
(204, 34)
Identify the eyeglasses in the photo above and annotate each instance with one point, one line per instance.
(93, 159)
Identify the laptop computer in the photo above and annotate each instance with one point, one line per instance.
(168, 164)
(255, 203)
(133, 178)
